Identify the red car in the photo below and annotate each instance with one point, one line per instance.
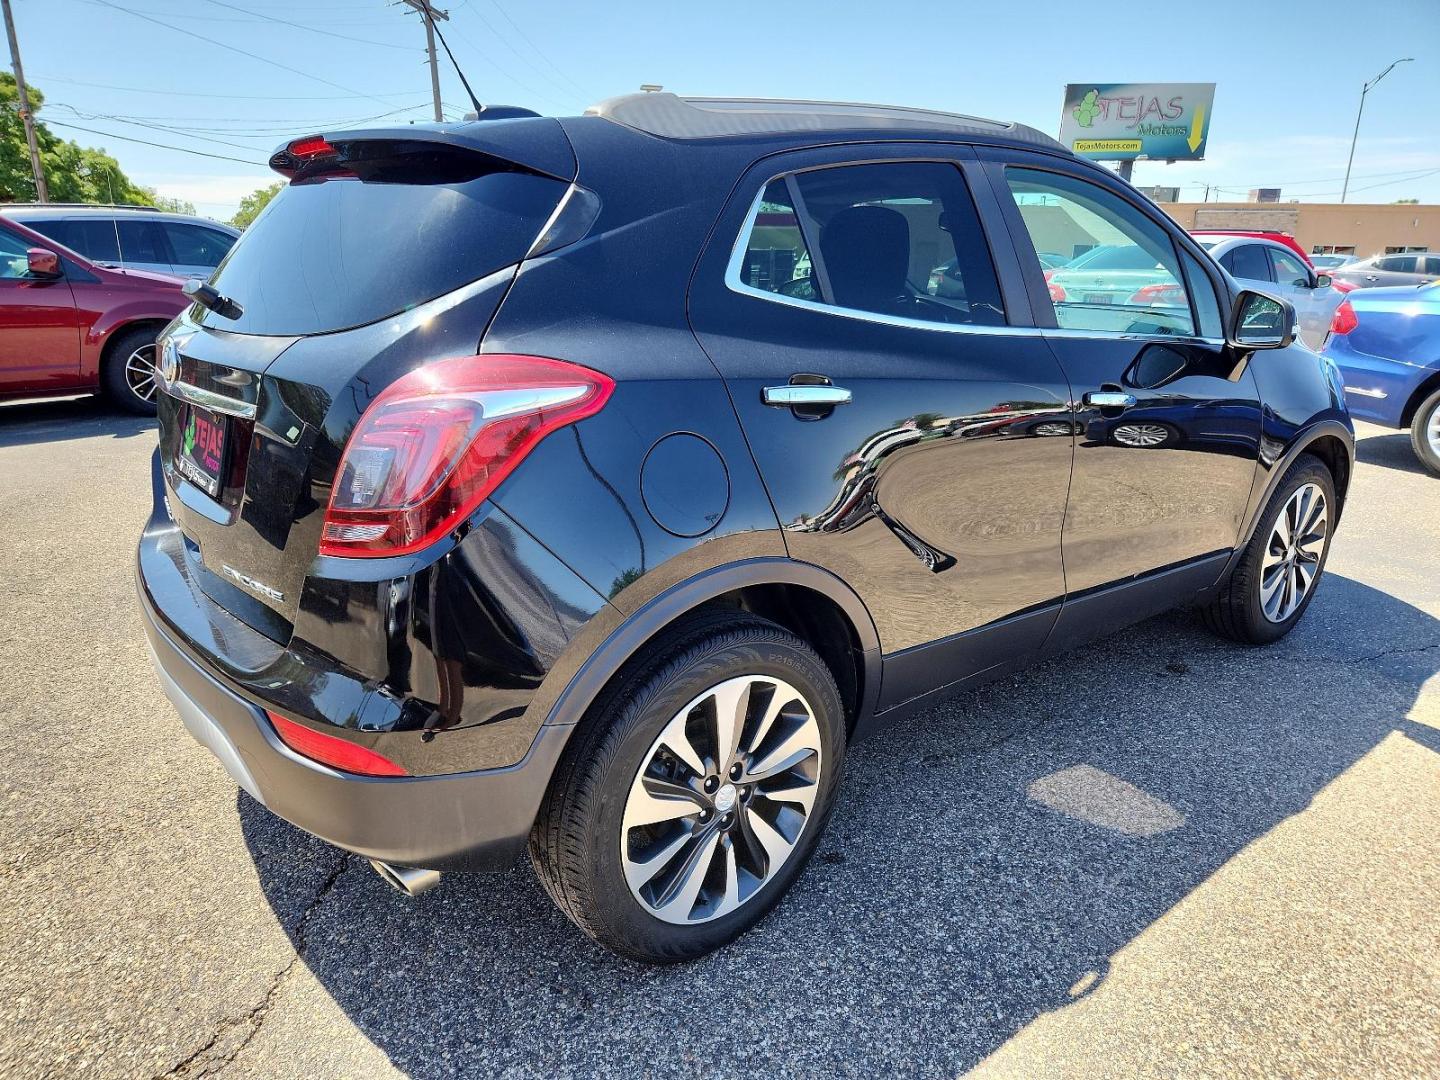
(68, 325)
(1279, 238)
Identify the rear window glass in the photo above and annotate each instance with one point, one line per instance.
(342, 252)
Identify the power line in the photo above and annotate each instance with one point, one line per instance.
(311, 29)
(495, 65)
(256, 130)
(535, 48)
(224, 97)
(145, 142)
(154, 127)
(237, 49)
(278, 130)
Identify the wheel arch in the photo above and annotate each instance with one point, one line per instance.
(1428, 386)
(812, 603)
(1330, 441)
(122, 330)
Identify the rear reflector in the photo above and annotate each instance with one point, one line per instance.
(329, 750)
(1345, 319)
(439, 440)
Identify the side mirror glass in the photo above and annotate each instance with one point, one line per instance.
(42, 262)
(1258, 321)
(1323, 281)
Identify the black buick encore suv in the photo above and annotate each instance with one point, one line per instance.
(597, 480)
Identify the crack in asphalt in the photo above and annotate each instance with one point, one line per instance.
(202, 1062)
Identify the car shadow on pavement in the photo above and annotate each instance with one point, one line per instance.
(23, 423)
(986, 860)
(1390, 451)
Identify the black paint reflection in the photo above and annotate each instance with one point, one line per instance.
(856, 501)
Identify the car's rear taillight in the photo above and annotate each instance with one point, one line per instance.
(1160, 294)
(1342, 286)
(1057, 293)
(331, 750)
(439, 440)
(1345, 319)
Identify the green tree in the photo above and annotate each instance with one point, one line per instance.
(167, 203)
(252, 204)
(73, 173)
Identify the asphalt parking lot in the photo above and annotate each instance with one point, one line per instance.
(1160, 856)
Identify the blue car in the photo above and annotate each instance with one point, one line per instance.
(1386, 343)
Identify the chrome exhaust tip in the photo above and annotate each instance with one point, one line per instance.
(406, 879)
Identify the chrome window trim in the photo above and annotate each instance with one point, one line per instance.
(208, 399)
(734, 283)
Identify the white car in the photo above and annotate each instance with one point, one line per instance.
(1274, 268)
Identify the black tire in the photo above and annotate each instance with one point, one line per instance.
(1426, 415)
(118, 387)
(1236, 612)
(575, 844)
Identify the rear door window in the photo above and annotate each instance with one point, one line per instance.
(340, 252)
(1248, 261)
(1400, 264)
(899, 239)
(142, 242)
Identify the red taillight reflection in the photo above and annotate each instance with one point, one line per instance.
(439, 440)
(1166, 294)
(1057, 293)
(1345, 319)
(330, 750)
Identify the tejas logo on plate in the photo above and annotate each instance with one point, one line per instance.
(206, 438)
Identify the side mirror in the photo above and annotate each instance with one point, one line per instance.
(42, 262)
(1323, 281)
(1258, 321)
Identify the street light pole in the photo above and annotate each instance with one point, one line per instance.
(1345, 189)
(42, 193)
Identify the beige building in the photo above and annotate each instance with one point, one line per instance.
(1352, 228)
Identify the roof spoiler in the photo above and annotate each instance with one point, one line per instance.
(535, 143)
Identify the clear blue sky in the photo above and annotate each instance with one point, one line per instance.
(1288, 74)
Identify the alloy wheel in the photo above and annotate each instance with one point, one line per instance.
(140, 372)
(1141, 434)
(1293, 553)
(721, 799)
(1432, 431)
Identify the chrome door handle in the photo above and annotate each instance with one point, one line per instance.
(1109, 399)
(802, 394)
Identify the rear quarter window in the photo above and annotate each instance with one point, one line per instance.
(336, 253)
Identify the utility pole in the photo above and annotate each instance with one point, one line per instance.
(1345, 190)
(429, 13)
(23, 103)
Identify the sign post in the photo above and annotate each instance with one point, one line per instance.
(1129, 122)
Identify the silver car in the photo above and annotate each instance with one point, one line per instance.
(136, 238)
(1275, 268)
(1411, 268)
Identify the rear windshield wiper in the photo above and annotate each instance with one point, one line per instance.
(211, 299)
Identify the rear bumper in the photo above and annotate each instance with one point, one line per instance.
(458, 821)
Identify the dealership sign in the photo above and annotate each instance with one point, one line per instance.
(1126, 121)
